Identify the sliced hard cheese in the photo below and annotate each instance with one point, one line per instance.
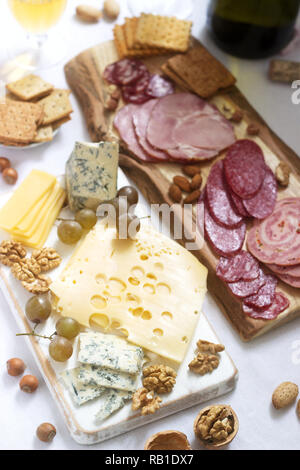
(80, 393)
(108, 378)
(25, 197)
(150, 288)
(91, 174)
(109, 351)
(113, 401)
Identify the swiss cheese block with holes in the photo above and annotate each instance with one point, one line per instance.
(151, 289)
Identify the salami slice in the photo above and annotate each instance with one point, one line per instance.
(108, 74)
(242, 266)
(128, 71)
(245, 168)
(262, 204)
(290, 280)
(276, 239)
(238, 205)
(243, 289)
(218, 200)
(124, 124)
(279, 304)
(159, 86)
(293, 271)
(224, 241)
(265, 294)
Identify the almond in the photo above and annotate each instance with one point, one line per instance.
(175, 193)
(252, 129)
(88, 13)
(191, 170)
(192, 197)
(182, 182)
(196, 181)
(285, 394)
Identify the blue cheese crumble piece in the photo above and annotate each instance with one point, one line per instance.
(113, 401)
(91, 174)
(100, 376)
(80, 392)
(110, 352)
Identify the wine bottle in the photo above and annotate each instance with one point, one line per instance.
(252, 28)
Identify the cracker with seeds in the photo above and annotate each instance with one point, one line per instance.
(123, 49)
(56, 106)
(201, 72)
(44, 134)
(18, 122)
(56, 124)
(163, 32)
(30, 87)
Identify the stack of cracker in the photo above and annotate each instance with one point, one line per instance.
(32, 110)
(149, 35)
(198, 71)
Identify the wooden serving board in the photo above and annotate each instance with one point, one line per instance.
(84, 75)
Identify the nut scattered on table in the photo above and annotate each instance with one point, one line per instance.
(88, 13)
(191, 170)
(196, 181)
(46, 432)
(182, 182)
(159, 378)
(15, 366)
(146, 401)
(11, 252)
(298, 409)
(10, 175)
(216, 426)
(192, 197)
(252, 129)
(204, 363)
(282, 174)
(29, 383)
(168, 440)
(285, 394)
(207, 346)
(111, 9)
(175, 193)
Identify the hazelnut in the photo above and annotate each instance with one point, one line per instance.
(4, 163)
(46, 432)
(15, 366)
(10, 175)
(29, 383)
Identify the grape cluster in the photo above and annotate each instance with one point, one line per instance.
(70, 231)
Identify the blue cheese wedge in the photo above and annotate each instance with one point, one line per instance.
(80, 392)
(110, 351)
(113, 401)
(108, 378)
(91, 174)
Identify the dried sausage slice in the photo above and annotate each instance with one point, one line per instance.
(242, 266)
(262, 204)
(279, 304)
(218, 201)
(243, 289)
(159, 86)
(237, 203)
(128, 71)
(245, 168)
(265, 295)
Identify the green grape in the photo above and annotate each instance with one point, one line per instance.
(130, 193)
(67, 327)
(60, 349)
(38, 309)
(86, 218)
(69, 232)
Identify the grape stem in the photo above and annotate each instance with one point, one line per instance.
(33, 333)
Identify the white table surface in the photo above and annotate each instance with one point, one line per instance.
(262, 364)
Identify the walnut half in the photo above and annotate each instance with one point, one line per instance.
(145, 400)
(47, 258)
(204, 363)
(216, 425)
(159, 378)
(11, 252)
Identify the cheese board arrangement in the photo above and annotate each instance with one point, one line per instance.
(188, 136)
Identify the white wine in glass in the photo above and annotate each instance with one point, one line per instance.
(37, 17)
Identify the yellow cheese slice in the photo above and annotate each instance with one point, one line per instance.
(25, 197)
(38, 239)
(150, 288)
(28, 226)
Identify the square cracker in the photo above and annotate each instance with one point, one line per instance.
(56, 124)
(56, 106)
(174, 77)
(202, 72)
(44, 134)
(163, 32)
(18, 121)
(123, 49)
(29, 87)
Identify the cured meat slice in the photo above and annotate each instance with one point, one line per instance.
(124, 123)
(279, 304)
(108, 74)
(237, 203)
(218, 200)
(159, 86)
(141, 115)
(225, 241)
(293, 271)
(128, 71)
(188, 110)
(290, 280)
(276, 239)
(136, 92)
(265, 294)
(187, 154)
(243, 289)
(245, 168)
(242, 266)
(262, 204)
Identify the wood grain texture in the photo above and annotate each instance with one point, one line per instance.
(154, 179)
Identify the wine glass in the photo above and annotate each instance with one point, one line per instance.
(37, 17)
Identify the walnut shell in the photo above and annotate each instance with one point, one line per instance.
(168, 440)
(216, 445)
